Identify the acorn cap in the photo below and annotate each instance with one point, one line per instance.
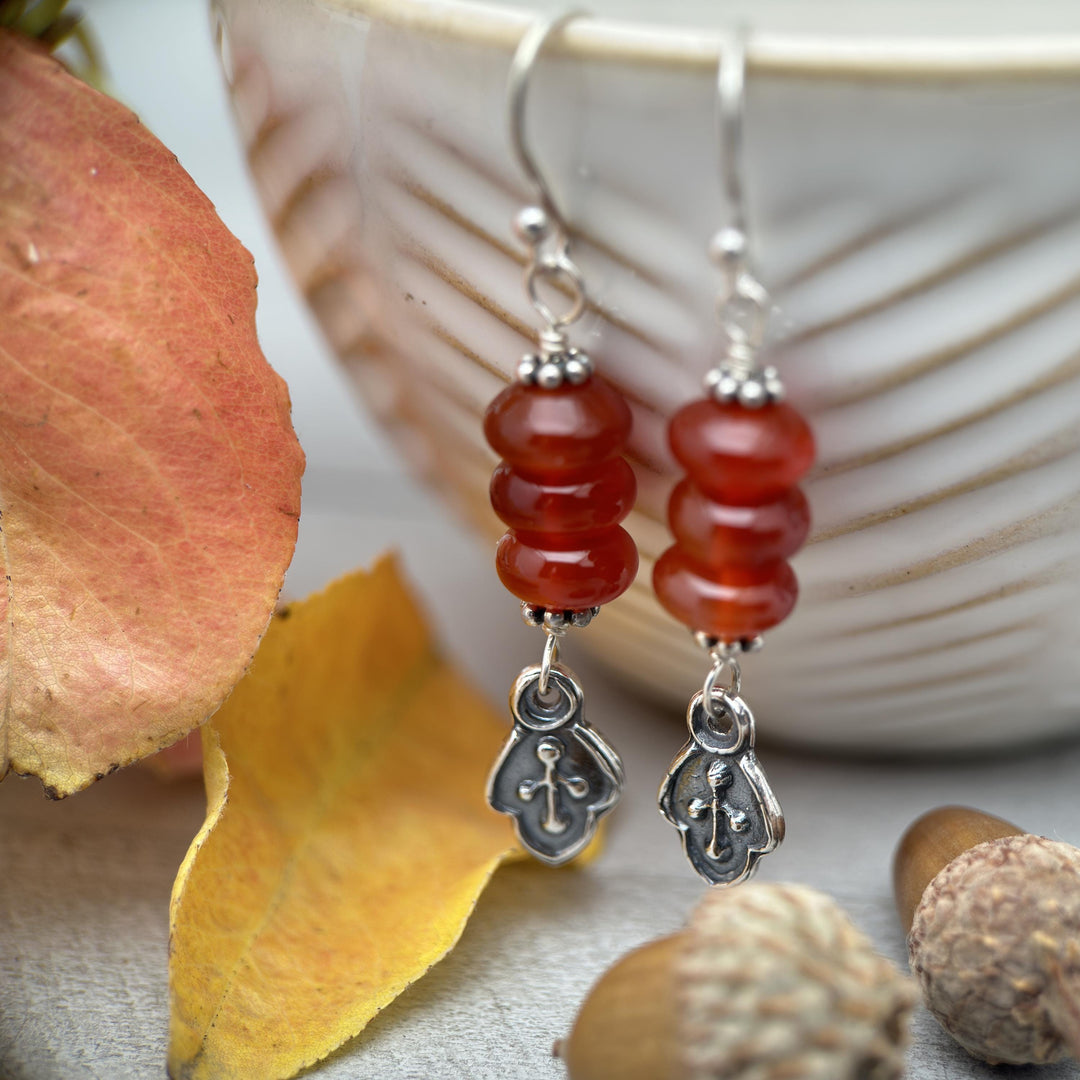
(767, 981)
(995, 935)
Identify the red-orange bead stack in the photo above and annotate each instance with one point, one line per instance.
(736, 518)
(562, 489)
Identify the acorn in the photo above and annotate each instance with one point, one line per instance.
(767, 982)
(995, 933)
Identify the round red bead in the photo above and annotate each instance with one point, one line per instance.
(742, 456)
(542, 432)
(584, 501)
(713, 534)
(567, 572)
(736, 602)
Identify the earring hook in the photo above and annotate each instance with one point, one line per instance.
(517, 87)
(542, 227)
(730, 109)
(743, 304)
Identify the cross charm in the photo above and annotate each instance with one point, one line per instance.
(719, 778)
(549, 751)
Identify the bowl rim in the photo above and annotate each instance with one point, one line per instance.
(862, 57)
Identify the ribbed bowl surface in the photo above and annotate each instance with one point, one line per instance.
(917, 218)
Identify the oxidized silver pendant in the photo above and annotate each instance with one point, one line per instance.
(556, 777)
(715, 793)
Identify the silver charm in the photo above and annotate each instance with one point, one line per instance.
(556, 777)
(716, 793)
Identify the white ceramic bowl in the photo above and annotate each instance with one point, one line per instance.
(914, 191)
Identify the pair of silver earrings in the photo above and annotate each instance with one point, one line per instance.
(563, 488)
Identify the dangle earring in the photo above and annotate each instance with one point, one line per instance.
(562, 488)
(736, 517)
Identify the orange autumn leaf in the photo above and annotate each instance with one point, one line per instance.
(346, 841)
(149, 475)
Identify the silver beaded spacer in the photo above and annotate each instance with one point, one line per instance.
(550, 369)
(744, 645)
(751, 389)
(557, 621)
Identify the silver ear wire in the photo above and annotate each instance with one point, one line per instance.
(542, 228)
(730, 109)
(517, 90)
(743, 304)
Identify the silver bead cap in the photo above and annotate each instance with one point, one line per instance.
(557, 622)
(731, 383)
(551, 368)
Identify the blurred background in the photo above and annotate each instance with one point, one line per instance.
(84, 884)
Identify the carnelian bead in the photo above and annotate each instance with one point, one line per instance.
(567, 572)
(584, 501)
(542, 432)
(713, 534)
(741, 456)
(736, 602)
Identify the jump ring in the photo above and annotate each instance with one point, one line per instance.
(721, 661)
(556, 267)
(743, 307)
(551, 656)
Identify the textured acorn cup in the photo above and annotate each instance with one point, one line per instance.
(994, 916)
(766, 981)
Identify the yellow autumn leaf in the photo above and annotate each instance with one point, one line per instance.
(346, 841)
